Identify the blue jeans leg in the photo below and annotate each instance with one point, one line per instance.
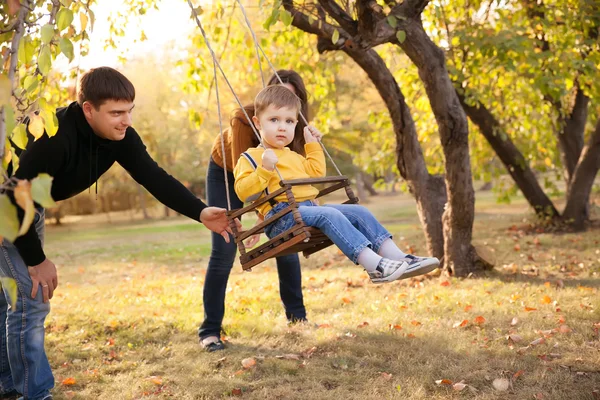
(337, 227)
(223, 256)
(361, 218)
(24, 333)
(290, 287)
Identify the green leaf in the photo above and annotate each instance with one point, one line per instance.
(10, 221)
(9, 119)
(392, 21)
(286, 17)
(10, 286)
(30, 83)
(335, 37)
(47, 33)
(23, 198)
(66, 47)
(401, 36)
(45, 60)
(19, 136)
(64, 18)
(40, 191)
(26, 51)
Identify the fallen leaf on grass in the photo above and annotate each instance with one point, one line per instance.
(289, 357)
(518, 374)
(501, 384)
(444, 382)
(459, 386)
(515, 338)
(546, 300)
(386, 376)
(363, 324)
(236, 392)
(395, 327)
(468, 307)
(445, 283)
(530, 309)
(538, 341)
(461, 324)
(248, 362)
(69, 382)
(564, 329)
(157, 380)
(479, 320)
(514, 321)
(415, 323)
(308, 353)
(324, 326)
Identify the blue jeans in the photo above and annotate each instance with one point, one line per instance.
(350, 227)
(23, 362)
(223, 255)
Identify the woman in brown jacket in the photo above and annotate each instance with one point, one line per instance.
(238, 138)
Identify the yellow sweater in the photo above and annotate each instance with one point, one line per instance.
(291, 165)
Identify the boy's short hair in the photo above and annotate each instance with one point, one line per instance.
(278, 96)
(101, 84)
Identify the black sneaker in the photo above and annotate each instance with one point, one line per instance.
(388, 270)
(12, 395)
(212, 343)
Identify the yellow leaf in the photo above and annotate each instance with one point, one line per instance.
(9, 286)
(548, 161)
(19, 137)
(5, 90)
(83, 20)
(36, 126)
(40, 190)
(24, 200)
(248, 363)
(9, 228)
(546, 300)
(69, 382)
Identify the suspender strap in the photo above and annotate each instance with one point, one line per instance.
(266, 191)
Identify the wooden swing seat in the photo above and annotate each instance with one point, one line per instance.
(299, 238)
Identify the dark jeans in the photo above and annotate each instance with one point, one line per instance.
(223, 255)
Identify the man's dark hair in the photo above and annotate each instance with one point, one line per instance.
(104, 83)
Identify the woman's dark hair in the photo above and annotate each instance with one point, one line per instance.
(291, 77)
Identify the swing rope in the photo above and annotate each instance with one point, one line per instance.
(216, 65)
(258, 46)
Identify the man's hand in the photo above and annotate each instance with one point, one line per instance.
(269, 160)
(43, 274)
(215, 219)
(312, 134)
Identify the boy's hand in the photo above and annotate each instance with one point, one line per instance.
(269, 160)
(312, 134)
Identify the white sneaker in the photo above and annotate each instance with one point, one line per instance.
(388, 270)
(419, 265)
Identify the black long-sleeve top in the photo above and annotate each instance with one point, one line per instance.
(76, 157)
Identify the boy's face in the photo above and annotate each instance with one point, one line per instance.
(111, 119)
(277, 126)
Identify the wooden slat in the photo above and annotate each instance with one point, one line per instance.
(295, 230)
(332, 188)
(274, 252)
(314, 181)
(241, 211)
(245, 234)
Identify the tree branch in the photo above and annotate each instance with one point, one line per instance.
(12, 69)
(340, 16)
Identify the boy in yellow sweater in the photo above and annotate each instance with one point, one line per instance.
(350, 226)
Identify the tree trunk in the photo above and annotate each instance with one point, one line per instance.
(460, 256)
(511, 157)
(570, 135)
(142, 197)
(367, 181)
(428, 190)
(578, 195)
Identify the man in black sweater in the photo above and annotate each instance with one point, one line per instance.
(93, 133)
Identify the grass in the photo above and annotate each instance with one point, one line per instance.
(124, 318)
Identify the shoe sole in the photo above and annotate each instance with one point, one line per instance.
(394, 276)
(425, 267)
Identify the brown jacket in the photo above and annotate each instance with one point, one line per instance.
(238, 138)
